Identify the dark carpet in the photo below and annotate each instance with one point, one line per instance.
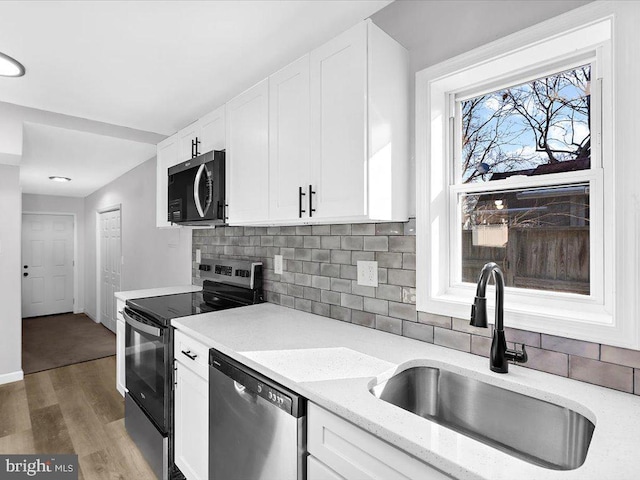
(58, 340)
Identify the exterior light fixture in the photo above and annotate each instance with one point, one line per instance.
(10, 67)
(56, 178)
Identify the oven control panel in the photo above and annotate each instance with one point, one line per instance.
(244, 273)
(224, 270)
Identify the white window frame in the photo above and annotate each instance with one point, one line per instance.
(604, 316)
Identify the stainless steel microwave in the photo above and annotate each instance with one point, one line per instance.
(196, 193)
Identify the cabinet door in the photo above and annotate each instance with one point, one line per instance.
(289, 140)
(185, 137)
(319, 471)
(167, 156)
(356, 454)
(191, 423)
(248, 155)
(338, 76)
(120, 347)
(211, 131)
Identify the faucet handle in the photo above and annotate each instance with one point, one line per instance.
(517, 356)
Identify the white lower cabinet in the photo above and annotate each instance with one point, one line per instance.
(191, 408)
(317, 470)
(120, 347)
(340, 450)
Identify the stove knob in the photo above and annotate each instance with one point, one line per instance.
(259, 388)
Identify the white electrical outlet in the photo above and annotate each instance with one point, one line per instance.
(198, 255)
(277, 264)
(368, 273)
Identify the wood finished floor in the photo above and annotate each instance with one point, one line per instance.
(72, 409)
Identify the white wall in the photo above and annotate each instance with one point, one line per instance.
(152, 257)
(12, 118)
(70, 205)
(436, 30)
(10, 283)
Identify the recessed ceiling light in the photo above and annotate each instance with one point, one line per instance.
(56, 178)
(10, 67)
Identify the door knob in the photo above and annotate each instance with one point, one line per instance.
(25, 274)
(26, 266)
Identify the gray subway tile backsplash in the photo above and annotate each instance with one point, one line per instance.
(389, 324)
(570, 346)
(452, 339)
(320, 276)
(417, 331)
(608, 375)
(548, 361)
(376, 244)
(435, 320)
(621, 356)
(389, 259)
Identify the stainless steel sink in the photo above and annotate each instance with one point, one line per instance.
(534, 430)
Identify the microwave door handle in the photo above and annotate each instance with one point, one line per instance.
(196, 190)
(142, 327)
(209, 191)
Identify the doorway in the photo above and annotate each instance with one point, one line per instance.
(47, 264)
(109, 265)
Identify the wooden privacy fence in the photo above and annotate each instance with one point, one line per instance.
(550, 258)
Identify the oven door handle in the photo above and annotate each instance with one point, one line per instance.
(142, 327)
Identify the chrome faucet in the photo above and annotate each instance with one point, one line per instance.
(500, 354)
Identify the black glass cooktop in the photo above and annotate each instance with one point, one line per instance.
(162, 309)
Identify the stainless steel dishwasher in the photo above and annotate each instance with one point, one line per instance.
(257, 428)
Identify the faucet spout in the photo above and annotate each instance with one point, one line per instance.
(500, 354)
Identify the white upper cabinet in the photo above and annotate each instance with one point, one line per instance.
(359, 127)
(338, 124)
(247, 159)
(211, 131)
(289, 141)
(211, 135)
(337, 137)
(187, 147)
(202, 136)
(323, 140)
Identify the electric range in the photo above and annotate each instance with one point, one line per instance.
(149, 352)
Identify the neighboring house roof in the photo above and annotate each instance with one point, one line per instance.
(563, 166)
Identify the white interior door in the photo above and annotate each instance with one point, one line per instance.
(110, 264)
(47, 264)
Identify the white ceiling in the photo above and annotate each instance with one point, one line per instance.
(106, 80)
(157, 65)
(90, 160)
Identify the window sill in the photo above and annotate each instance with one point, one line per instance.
(578, 318)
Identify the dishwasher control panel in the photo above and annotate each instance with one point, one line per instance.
(250, 382)
(273, 396)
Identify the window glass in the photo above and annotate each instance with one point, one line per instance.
(535, 128)
(538, 236)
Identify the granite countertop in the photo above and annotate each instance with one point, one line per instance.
(156, 292)
(334, 364)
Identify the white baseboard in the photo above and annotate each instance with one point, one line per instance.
(91, 317)
(11, 377)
